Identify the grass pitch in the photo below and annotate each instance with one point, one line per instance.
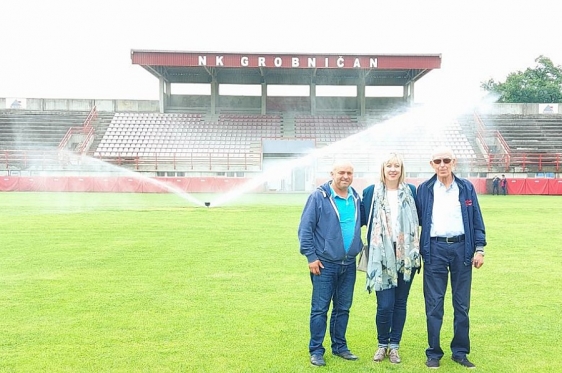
(150, 283)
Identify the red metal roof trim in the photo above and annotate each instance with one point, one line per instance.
(296, 61)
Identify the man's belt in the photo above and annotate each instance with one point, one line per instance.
(453, 239)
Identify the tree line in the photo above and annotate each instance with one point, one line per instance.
(541, 84)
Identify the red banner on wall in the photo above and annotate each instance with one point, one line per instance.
(555, 186)
(479, 185)
(220, 184)
(180, 184)
(105, 184)
(55, 184)
(9, 184)
(129, 185)
(154, 186)
(80, 184)
(536, 186)
(516, 186)
(31, 184)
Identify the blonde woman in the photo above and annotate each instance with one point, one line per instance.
(393, 238)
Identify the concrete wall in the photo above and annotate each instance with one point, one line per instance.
(521, 109)
(343, 103)
(190, 101)
(61, 104)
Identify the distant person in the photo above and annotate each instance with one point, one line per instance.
(496, 185)
(452, 242)
(503, 185)
(330, 238)
(394, 252)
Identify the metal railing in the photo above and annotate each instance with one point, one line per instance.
(53, 160)
(87, 130)
(56, 160)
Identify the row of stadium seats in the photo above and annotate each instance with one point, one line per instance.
(137, 115)
(528, 133)
(237, 133)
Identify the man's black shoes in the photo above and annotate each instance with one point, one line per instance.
(347, 355)
(464, 362)
(432, 363)
(317, 360)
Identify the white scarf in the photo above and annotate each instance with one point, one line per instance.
(384, 262)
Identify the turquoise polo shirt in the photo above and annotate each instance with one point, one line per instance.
(346, 211)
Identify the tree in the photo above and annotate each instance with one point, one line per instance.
(542, 84)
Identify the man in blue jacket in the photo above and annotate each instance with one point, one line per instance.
(330, 238)
(452, 241)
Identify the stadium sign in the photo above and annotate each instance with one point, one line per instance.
(341, 62)
(419, 64)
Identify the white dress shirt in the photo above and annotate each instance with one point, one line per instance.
(446, 214)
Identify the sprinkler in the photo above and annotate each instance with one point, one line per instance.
(207, 204)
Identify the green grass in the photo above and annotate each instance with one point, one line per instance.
(150, 283)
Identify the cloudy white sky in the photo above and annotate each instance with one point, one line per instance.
(77, 49)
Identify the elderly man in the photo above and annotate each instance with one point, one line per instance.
(451, 243)
(330, 238)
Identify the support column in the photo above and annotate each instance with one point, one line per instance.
(361, 98)
(214, 95)
(412, 93)
(408, 93)
(312, 98)
(263, 98)
(161, 94)
(168, 94)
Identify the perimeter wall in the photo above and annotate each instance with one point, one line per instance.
(518, 184)
(130, 184)
(201, 102)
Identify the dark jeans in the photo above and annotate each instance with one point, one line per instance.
(496, 190)
(447, 259)
(335, 285)
(391, 312)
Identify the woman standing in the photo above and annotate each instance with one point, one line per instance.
(393, 237)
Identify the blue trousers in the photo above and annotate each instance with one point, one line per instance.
(391, 312)
(335, 285)
(447, 259)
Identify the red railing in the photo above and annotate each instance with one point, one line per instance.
(88, 135)
(216, 162)
(480, 132)
(505, 151)
(42, 160)
(66, 138)
(87, 130)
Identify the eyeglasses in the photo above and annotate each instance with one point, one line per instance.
(445, 160)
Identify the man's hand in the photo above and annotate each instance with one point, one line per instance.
(315, 266)
(478, 260)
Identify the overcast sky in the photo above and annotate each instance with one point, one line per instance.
(77, 49)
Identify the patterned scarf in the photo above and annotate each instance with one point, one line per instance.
(384, 262)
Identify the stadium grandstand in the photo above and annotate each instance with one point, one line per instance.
(213, 142)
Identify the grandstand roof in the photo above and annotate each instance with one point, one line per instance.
(286, 68)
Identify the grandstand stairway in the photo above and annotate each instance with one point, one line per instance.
(31, 130)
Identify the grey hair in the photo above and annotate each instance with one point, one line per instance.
(443, 150)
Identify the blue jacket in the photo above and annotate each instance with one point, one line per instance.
(368, 201)
(474, 231)
(320, 231)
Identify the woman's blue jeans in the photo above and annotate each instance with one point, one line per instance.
(335, 285)
(391, 312)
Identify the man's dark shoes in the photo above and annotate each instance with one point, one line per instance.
(432, 363)
(464, 362)
(317, 360)
(347, 355)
